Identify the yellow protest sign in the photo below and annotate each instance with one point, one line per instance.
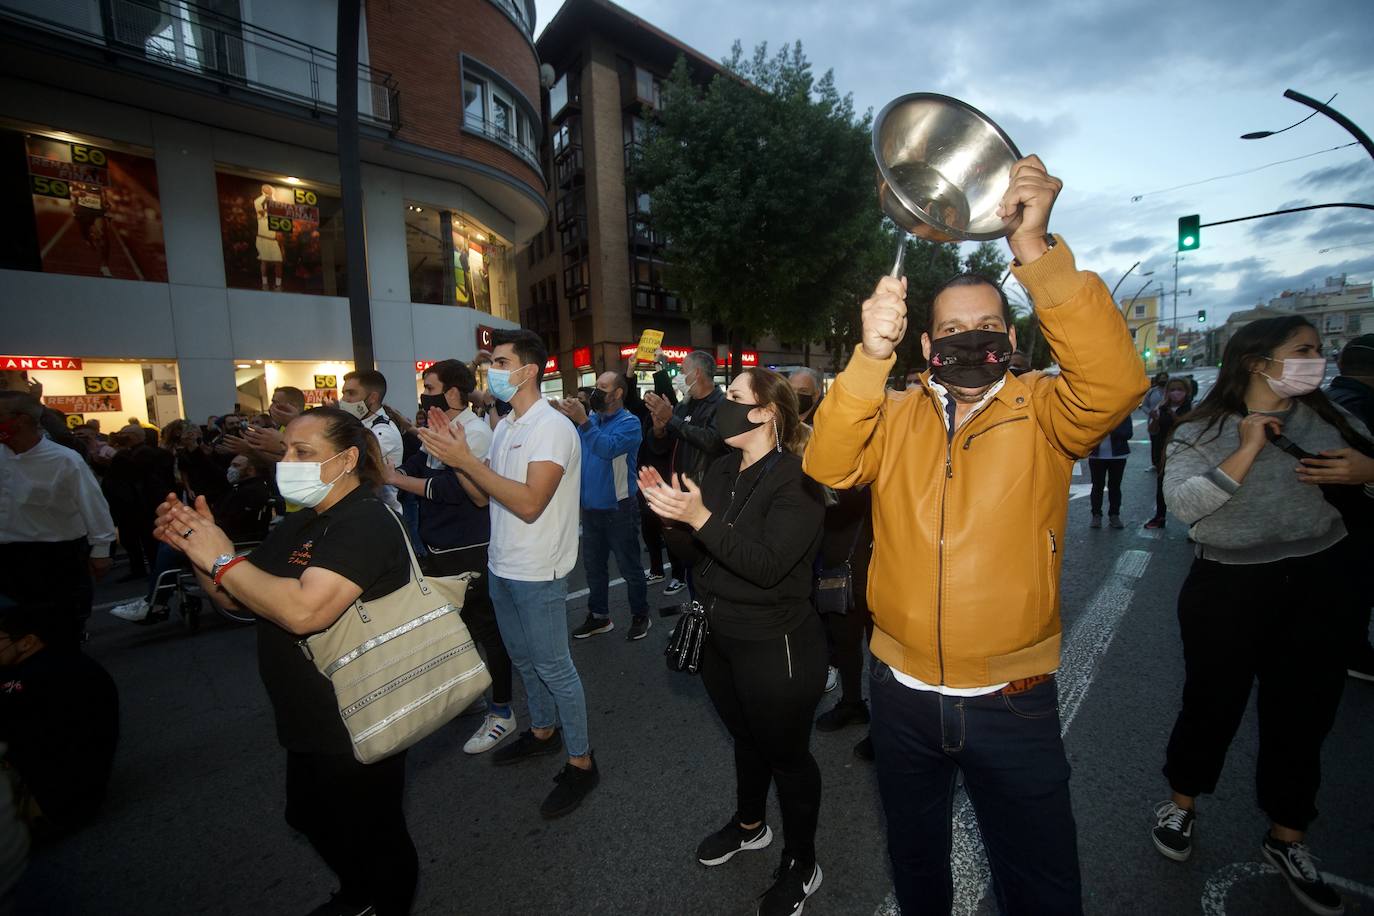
(649, 341)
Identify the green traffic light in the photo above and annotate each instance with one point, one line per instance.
(1189, 232)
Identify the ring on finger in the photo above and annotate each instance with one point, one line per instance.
(188, 532)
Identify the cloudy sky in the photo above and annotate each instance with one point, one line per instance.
(1123, 99)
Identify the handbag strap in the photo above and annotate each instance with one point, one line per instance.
(771, 460)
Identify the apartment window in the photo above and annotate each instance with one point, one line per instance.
(497, 112)
(475, 102)
(1140, 311)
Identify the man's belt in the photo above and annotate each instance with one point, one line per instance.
(1024, 685)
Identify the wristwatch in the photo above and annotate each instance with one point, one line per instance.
(1050, 243)
(221, 561)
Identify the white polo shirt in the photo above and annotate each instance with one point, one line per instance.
(393, 450)
(547, 549)
(478, 432)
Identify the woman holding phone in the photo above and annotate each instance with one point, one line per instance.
(750, 533)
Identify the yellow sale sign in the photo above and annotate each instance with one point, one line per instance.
(650, 341)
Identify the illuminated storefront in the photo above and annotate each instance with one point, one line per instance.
(454, 260)
(112, 391)
(644, 372)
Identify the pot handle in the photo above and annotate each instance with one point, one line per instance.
(901, 256)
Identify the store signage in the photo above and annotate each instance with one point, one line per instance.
(677, 354)
(101, 384)
(423, 364)
(551, 367)
(74, 420)
(83, 403)
(582, 358)
(39, 362)
(326, 381)
(315, 397)
(484, 336)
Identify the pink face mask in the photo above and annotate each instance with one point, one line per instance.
(1176, 396)
(1300, 376)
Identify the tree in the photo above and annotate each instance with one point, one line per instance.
(763, 185)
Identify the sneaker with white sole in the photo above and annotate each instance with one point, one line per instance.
(791, 886)
(593, 626)
(1298, 867)
(721, 846)
(832, 678)
(639, 627)
(1173, 831)
(494, 730)
(134, 611)
(653, 578)
(674, 586)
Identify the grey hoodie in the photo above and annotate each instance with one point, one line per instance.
(1271, 515)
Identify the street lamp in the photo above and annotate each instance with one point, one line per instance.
(1322, 107)
(1123, 279)
(1261, 134)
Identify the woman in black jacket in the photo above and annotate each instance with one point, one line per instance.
(750, 533)
(1177, 403)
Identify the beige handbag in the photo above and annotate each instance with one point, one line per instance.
(402, 665)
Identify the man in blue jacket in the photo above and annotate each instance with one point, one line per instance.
(610, 515)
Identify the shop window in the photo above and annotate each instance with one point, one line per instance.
(282, 235)
(95, 208)
(454, 261)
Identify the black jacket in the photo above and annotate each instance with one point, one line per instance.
(691, 438)
(241, 511)
(753, 569)
(1356, 397)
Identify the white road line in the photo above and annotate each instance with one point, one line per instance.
(1091, 636)
(1219, 885)
(1079, 490)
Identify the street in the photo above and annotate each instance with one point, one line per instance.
(193, 819)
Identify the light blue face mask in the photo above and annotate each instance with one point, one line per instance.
(499, 384)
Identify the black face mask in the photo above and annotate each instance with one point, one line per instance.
(433, 400)
(598, 400)
(971, 359)
(732, 419)
(804, 403)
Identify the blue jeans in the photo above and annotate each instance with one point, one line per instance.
(1015, 773)
(533, 618)
(613, 531)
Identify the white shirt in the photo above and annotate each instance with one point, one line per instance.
(546, 549)
(48, 494)
(389, 440)
(477, 431)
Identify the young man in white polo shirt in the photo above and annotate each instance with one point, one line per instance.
(533, 477)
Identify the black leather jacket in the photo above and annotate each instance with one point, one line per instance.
(691, 438)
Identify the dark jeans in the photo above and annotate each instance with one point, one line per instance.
(1106, 472)
(1015, 773)
(477, 613)
(54, 577)
(1285, 624)
(167, 558)
(352, 814)
(652, 526)
(606, 532)
(139, 544)
(766, 691)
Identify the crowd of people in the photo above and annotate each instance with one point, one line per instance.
(803, 523)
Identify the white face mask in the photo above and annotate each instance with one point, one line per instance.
(300, 482)
(359, 409)
(680, 385)
(1300, 376)
(233, 475)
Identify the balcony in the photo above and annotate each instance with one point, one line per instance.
(568, 167)
(573, 238)
(565, 95)
(570, 207)
(201, 42)
(576, 279)
(638, 88)
(643, 234)
(499, 131)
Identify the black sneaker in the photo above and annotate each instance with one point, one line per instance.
(1295, 863)
(1362, 666)
(573, 784)
(639, 627)
(527, 745)
(721, 846)
(673, 587)
(1096, 522)
(1173, 831)
(864, 749)
(593, 626)
(791, 887)
(338, 907)
(842, 714)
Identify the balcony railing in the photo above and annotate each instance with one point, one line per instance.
(568, 167)
(196, 40)
(501, 132)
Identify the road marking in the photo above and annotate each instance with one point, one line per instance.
(1079, 490)
(1219, 885)
(1078, 662)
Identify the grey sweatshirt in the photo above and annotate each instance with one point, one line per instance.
(1271, 515)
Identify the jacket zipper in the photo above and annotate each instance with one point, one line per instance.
(940, 565)
(969, 441)
(787, 647)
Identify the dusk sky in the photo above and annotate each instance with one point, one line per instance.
(1123, 99)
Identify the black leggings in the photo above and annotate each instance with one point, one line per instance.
(352, 813)
(766, 691)
(1285, 624)
(1106, 472)
(477, 612)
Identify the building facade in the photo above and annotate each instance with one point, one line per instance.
(595, 279)
(175, 232)
(1341, 309)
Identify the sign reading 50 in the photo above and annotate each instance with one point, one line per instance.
(88, 155)
(280, 224)
(50, 187)
(102, 384)
(307, 197)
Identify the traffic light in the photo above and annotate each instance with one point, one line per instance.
(1189, 232)
(1201, 316)
(1147, 352)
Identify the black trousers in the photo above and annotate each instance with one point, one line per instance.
(652, 528)
(766, 691)
(848, 634)
(353, 814)
(477, 612)
(54, 577)
(1106, 472)
(1287, 625)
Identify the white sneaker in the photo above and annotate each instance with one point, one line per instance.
(494, 730)
(131, 610)
(832, 678)
(674, 586)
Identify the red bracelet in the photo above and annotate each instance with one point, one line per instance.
(226, 567)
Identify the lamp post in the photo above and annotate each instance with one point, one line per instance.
(1123, 279)
(1324, 108)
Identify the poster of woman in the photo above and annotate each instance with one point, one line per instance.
(280, 238)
